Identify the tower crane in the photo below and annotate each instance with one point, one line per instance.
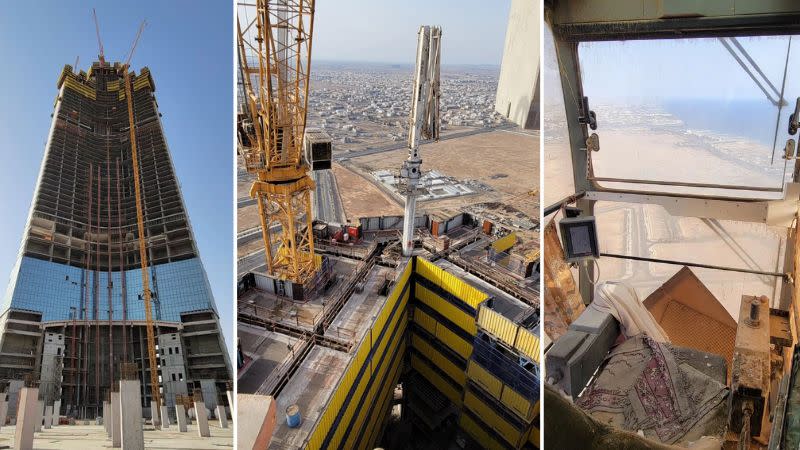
(423, 123)
(100, 55)
(277, 105)
(146, 293)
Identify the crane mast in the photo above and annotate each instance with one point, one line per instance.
(277, 105)
(142, 239)
(423, 123)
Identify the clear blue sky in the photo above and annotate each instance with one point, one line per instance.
(473, 31)
(188, 47)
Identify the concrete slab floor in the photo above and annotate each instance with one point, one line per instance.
(356, 315)
(84, 437)
(309, 389)
(268, 351)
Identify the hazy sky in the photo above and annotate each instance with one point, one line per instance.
(675, 68)
(187, 46)
(473, 31)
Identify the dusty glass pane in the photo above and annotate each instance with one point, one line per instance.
(558, 181)
(650, 231)
(685, 110)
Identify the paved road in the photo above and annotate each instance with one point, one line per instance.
(403, 144)
(250, 262)
(327, 203)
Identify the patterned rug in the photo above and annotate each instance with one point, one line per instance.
(671, 394)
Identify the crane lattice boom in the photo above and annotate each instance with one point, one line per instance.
(279, 40)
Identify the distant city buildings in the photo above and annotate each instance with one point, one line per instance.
(363, 105)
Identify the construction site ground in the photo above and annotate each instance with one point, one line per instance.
(505, 160)
(81, 437)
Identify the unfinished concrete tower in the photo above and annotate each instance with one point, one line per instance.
(73, 311)
(518, 87)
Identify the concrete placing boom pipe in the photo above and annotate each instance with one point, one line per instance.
(423, 121)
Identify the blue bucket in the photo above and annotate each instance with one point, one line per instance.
(293, 418)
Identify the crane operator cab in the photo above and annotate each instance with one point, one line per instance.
(671, 250)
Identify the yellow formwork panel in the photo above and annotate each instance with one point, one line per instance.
(381, 346)
(478, 433)
(449, 282)
(492, 419)
(383, 399)
(348, 379)
(462, 290)
(517, 403)
(497, 325)
(71, 83)
(360, 359)
(502, 392)
(403, 280)
(425, 321)
(453, 341)
(435, 379)
(441, 361)
(66, 71)
(112, 86)
(429, 270)
(445, 308)
(528, 344)
(533, 437)
(484, 379)
(142, 82)
(509, 332)
(504, 243)
(321, 428)
(349, 410)
(366, 407)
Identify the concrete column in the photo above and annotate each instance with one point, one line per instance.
(114, 421)
(56, 412)
(222, 416)
(164, 417)
(26, 416)
(229, 394)
(131, 415)
(3, 410)
(180, 412)
(39, 415)
(107, 418)
(154, 413)
(202, 419)
(48, 417)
